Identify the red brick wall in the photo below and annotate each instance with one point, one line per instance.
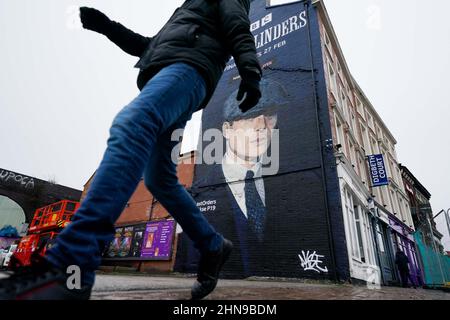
(139, 206)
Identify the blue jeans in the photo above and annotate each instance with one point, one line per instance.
(139, 144)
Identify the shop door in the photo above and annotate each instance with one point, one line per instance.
(384, 255)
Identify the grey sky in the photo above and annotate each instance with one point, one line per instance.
(61, 86)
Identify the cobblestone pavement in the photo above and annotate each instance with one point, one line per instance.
(133, 287)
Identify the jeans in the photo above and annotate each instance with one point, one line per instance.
(139, 145)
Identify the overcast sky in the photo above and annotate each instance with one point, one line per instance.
(61, 86)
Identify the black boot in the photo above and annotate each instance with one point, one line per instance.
(39, 281)
(208, 271)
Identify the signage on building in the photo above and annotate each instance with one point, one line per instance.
(377, 169)
(263, 181)
(158, 238)
(149, 241)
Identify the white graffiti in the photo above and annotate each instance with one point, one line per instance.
(26, 182)
(312, 262)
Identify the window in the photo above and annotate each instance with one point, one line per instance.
(333, 85)
(360, 108)
(358, 225)
(394, 202)
(408, 215)
(349, 208)
(400, 209)
(349, 93)
(379, 135)
(353, 122)
(374, 144)
(352, 155)
(339, 68)
(363, 171)
(343, 100)
(327, 39)
(340, 134)
(370, 121)
(365, 137)
(393, 171)
(369, 237)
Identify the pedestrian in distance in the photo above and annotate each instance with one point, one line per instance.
(179, 71)
(402, 262)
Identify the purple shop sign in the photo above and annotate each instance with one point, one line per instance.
(158, 238)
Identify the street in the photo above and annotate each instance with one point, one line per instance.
(134, 287)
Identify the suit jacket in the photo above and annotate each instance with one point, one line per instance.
(250, 257)
(293, 225)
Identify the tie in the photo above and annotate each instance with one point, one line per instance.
(256, 212)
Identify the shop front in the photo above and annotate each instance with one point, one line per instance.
(402, 237)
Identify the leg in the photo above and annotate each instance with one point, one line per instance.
(174, 91)
(404, 277)
(411, 279)
(161, 179)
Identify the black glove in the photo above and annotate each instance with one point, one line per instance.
(249, 87)
(95, 20)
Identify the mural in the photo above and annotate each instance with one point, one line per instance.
(265, 192)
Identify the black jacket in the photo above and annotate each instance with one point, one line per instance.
(202, 33)
(402, 261)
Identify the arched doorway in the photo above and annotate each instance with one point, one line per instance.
(11, 213)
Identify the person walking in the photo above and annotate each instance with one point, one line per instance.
(179, 71)
(402, 262)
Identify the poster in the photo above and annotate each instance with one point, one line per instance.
(136, 245)
(158, 238)
(114, 246)
(125, 242)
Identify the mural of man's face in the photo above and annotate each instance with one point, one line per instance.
(249, 139)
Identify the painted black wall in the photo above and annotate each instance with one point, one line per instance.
(302, 201)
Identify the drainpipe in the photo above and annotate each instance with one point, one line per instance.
(324, 184)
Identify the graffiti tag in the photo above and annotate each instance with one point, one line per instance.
(24, 181)
(311, 262)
